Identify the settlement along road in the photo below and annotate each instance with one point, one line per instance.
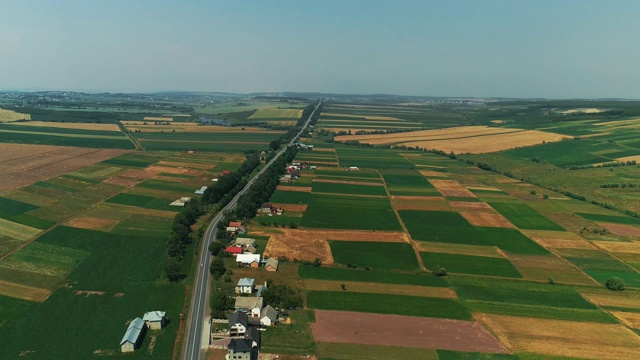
(194, 348)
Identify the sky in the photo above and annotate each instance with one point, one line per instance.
(483, 48)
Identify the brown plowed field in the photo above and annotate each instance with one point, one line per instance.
(431, 173)
(92, 223)
(21, 165)
(379, 288)
(138, 174)
(407, 331)
(291, 207)
(434, 203)
(451, 188)
(310, 244)
(184, 164)
(294, 188)
(620, 229)
(487, 219)
(564, 338)
(115, 180)
(166, 169)
(363, 183)
(471, 205)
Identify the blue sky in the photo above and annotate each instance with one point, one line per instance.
(553, 49)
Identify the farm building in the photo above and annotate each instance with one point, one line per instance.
(260, 289)
(134, 335)
(353, 168)
(266, 208)
(201, 190)
(233, 250)
(181, 202)
(235, 223)
(251, 260)
(236, 229)
(250, 249)
(238, 324)
(244, 286)
(268, 316)
(245, 242)
(155, 320)
(250, 305)
(271, 264)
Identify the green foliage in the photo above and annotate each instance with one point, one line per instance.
(467, 264)
(376, 255)
(439, 271)
(282, 296)
(217, 268)
(524, 217)
(172, 269)
(9, 208)
(387, 304)
(339, 212)
(615, 284)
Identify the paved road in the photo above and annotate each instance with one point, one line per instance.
(194, 348)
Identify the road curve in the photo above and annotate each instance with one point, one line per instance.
(192, 349)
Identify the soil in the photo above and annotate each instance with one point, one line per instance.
(291, 207)
(620, 229)
(487, 219)
(396, 330)
(294, 188)
(166, 169)
(451, 188)
(92, 223)
(115, 180)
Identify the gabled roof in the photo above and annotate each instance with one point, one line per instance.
(234, 250)
(245, 302)
(269, 312)
(250, 249)
(133, 331)
(238, 317)
(273, 262)
(248, 258)
(154, 315)
(260, 289)
(253, 334)
(235, 223)
(245, 241)
(240, 345)
(245, 282)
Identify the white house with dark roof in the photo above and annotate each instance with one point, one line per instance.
(245, 286)
(155, 320)
(134, 335)
(238, 324)
(268, 316)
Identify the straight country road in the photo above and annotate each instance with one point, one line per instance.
(194, 345)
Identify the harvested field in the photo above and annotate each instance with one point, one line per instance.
(116, 180)
(21, 165)
(431, 173)
(626, 299)
(630, 319)
(10, 115)
(332, 150)
(363, 183)
(436, 203)
(294, 188)
(379, 288)
(462, 249)
(564, 338)
(621, 229)
(622, 247)
(465, 139)
(475, 206)
(484, 188)
(17, 231)
(138, 174)
(558, 239)
(310, 244)
(92, 223)
(291, 207)
(78, 126)
(541, 267)
(157, 118)
(165, 169)
(426, 333)
(487, 219)
(24, 292)
(451, 188)
(184, 165)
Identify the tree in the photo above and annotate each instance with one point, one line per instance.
(344, 287)
(439, 271)
(550, 281)
(316, 263)
(216, 247)
(172, 269)
(217, 268)
(275, 144)
(615, 284)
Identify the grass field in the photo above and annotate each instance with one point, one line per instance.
(375, 255)
(130, 199)
(338, 351)
(466, 264)
(387, 304)
(385, 277)
(337, 212)
(616, 219)
(348, 189)
(524, 217)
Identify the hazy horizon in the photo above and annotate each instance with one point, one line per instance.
(526, 49)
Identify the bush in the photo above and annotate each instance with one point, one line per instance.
(615, 284)
(439, 271)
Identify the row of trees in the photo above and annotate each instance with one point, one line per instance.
(180, 237)
(231, 183)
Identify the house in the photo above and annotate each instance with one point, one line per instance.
(260, 289)
(268, 316)
(266, 208)
(271, 264)
(294, 173)
(251, 260)
(353, 168)
(244, 286)
(254, 335)
(155, 320)
(235, 223)
(134, 335)
(201, 190)
(245, 242)
(233, 250)
(249, 305)
(177, 203)
(241, 349)
(250, 249)
(312, 167)
(238, 324)
(191, 152)
(237, 229)
(279, 211)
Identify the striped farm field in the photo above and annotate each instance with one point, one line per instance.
(10, 115)
(276, 114)
(24, 292)
(71, 125)
(17, 231)
(465, 139)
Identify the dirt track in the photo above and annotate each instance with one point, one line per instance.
(396, 330)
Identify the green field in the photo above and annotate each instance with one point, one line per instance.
(130, 199)
(383, 276)
(524, 217)
(387, 304)
(440, 226)
(290, 197)
(466, 264)
(616, 219)
(63, 137)
(10, 208)
(348, 189)
(375, 255)
(338, 212)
